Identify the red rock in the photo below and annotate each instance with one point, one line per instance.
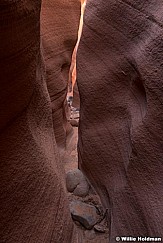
(59, 28)
(33, 202)
(120, 82)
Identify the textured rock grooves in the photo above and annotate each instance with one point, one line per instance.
(33, 201)
(59, 27)
(119, 72)
(120, 129)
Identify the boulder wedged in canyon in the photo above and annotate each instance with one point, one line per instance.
(119, 70)
(33, 202)
(59, 28)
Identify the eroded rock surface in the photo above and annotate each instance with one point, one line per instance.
(120, 72)
(59, 29)
(33, 201)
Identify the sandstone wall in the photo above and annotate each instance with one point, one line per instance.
(120, 71)
(59, 27)
(33, 202)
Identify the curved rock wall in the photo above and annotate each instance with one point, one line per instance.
(33, 202)
(120, 72)
(59, 27)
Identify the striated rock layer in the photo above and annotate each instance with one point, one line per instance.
(33, 202)
(120, 72)
(59, 28)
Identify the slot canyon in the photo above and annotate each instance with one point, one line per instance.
(81, 121)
